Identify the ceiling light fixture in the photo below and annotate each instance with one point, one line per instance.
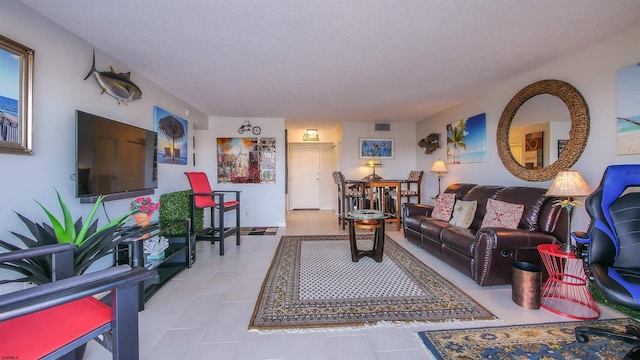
(310, 135)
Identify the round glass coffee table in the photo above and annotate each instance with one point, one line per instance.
(367, 219)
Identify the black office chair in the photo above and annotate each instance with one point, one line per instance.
(612, 247)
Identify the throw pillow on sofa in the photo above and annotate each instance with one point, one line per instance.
(463, 213)
(444, 206)
(502, 214)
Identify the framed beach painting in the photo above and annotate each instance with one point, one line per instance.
(16, 97)
(376, 148)
(172, 137)
(466, 140)
(628, 122)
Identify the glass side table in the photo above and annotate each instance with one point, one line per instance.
(367, 219)
(565, 292)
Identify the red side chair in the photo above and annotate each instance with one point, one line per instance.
(203, 197)
(55, 320)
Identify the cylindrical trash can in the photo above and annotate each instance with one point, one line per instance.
(526, 281)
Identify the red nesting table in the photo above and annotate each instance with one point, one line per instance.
(565, 292)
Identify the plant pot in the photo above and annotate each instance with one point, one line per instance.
(142, 220)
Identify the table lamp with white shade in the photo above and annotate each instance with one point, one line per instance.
(568, 184)
(439, 168)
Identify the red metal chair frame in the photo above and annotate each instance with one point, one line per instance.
(55, 320)
(203, 197)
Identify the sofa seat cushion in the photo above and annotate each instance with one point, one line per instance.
(462, 240)
(432, 228)
(414, 222)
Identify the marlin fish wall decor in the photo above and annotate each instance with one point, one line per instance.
(118, 85)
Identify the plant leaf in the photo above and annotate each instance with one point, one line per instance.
(117, 222)
(60, 232)
(68, 220)
(85, 227)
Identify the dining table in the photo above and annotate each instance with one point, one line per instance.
(380, 193)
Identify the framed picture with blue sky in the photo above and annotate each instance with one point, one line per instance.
(16, 97)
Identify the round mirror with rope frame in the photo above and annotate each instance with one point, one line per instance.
(578, 135)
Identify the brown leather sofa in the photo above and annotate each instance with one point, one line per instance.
(486, 254)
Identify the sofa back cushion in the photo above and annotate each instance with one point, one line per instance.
(531, 197)
(481, 193)
(459, 189)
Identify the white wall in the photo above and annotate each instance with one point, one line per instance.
(261, 204)
(61, 62)
(592, 72)
(404, 159)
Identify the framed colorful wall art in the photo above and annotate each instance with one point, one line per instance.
(376, 148)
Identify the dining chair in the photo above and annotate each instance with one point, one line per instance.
(348, 198)
(203, 197)
(413, 186)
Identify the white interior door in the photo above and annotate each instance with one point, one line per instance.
(304, 178)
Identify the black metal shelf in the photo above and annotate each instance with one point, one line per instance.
(178, 256)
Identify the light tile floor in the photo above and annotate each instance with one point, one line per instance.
(203, 312)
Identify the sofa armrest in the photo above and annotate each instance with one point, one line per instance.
(497, 248)
(412, 209)
(504, 239)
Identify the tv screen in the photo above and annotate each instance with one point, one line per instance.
(114, 159)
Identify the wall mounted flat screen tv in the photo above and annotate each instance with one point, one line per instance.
(114, 159)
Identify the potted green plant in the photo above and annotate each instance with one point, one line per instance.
(91, 243)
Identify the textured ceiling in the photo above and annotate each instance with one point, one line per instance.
(336, 60)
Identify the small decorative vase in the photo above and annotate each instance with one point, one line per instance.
(142, 220)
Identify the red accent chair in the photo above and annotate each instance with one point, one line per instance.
(203, 197)
(55, 320)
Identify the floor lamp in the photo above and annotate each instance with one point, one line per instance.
(439, 168)
(568, 184)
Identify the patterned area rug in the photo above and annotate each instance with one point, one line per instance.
(312, 282)
(543, 341)
(258, 230)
